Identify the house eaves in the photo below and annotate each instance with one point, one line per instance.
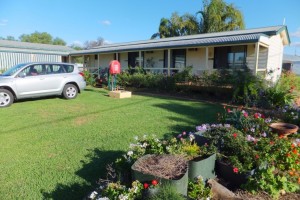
(164, 44)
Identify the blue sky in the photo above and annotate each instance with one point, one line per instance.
(77, 21)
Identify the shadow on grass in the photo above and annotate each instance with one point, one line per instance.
(92, 169)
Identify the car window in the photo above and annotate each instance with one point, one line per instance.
(68, 68)
(32, 70)
(57, 69)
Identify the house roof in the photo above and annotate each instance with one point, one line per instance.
(208, 39)
(16, 46)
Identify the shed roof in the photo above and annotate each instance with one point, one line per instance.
(16, 46)
(208, 39)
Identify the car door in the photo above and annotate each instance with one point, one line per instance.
(45, 81)
(28, 83)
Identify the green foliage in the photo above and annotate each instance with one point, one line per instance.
(218, 16)
(185, 75)
(167, 192)
(41, 37)
(198, 190)
(89, 78)
(247, 87)
(279, 97)
(116, 191)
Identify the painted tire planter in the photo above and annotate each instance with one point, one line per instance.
(179, 182)
(235, 180)
(202, 167)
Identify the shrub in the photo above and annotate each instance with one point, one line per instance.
(165, 192)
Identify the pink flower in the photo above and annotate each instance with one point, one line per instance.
(235, 170)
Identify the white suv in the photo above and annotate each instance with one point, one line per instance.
(39, 79)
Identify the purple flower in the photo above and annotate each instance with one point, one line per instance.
(264, 134)
(227, 125)
(179, 136)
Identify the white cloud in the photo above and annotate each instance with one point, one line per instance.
(3, 22)
(106, 22)
(296, 34)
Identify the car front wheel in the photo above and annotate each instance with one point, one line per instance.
(6, 98)
(70, 91)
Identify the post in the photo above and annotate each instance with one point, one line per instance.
(169, 61)
(140, 58)
(256, 57)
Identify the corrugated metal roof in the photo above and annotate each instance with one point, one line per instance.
(173, 44)
(7, 45)
(208, 39)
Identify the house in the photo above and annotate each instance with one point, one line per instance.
(15, 52)
(259, 49)
(291, 63)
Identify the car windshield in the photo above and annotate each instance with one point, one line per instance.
(13, 70)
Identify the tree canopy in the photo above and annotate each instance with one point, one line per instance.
(43, 38)
(216, 16)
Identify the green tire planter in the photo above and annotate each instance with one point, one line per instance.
(204, 167)
(180, 183)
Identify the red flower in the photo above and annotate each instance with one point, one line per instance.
(256, 115)
(257, 156)
(245, 114)
(234, 135)
(154, 182)
(146, 185)
(262, 116)
(272, 142)
(228, 110)
(295, 151)
(236, 170)
(293, 145)
(288, 155)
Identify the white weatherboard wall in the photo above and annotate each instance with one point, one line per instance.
(154, 59)
(105, 59)
(124, 61)
(275, 57)
(196, 58)
(9, 59)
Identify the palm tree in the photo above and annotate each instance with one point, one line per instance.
(177, 26)
(218, 16)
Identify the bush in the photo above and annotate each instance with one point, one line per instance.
(167, 192)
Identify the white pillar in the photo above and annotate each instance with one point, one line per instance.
(206, 58)
(140, 59)
(169, 61)
(256, 56)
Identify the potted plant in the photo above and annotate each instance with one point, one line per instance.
(166, 168)
(201, 158)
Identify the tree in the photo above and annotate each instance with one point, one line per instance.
(94, 43)
(37, 37)
(218, 16)
(59, 41)
(43, 38)
(186, 24)
(9, 37)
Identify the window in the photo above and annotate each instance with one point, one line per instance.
(133, 59)
(178, 58)
(230, 57)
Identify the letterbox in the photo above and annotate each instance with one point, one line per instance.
(114, 67)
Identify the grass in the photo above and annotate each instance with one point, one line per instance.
(57, 149)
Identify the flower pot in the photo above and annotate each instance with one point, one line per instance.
(283, 129)
(180, 183)
(148, 193)
(235, 180)
(202, 167)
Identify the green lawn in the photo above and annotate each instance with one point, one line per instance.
(57, 149)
